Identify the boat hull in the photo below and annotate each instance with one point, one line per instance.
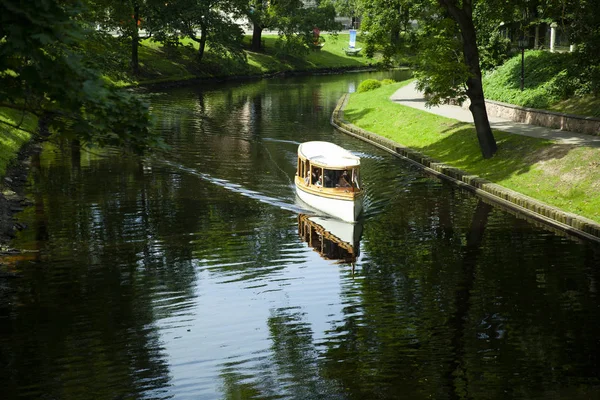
(345, 208)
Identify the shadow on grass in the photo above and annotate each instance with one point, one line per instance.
(516, 154)
(357, 115)
(588, 105)
(17, 119)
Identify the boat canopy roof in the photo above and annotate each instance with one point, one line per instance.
(328, 154)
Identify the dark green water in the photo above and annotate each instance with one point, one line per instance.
(184, 275)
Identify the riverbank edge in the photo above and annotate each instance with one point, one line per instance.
(13, 182)
(267, 75)
(518, 203)
(12, 193)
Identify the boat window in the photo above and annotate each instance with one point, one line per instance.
(330, 178)
(344, 179)
(337, 178)
(317, 176)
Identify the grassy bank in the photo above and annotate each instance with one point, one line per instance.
(161, 64)
(11, 139)
(564, 176)
(165, 64)
(551, 82)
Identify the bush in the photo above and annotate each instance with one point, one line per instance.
(369, 84)
(387, 81)
(495, 51)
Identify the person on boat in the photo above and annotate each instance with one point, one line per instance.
(343, 181)
(329, 178)
(316, 177)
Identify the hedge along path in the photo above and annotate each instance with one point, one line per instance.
(511, 200)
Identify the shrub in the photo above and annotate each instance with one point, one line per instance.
(387, 81)
(369, 84)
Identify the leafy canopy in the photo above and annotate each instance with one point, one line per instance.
(44, 71)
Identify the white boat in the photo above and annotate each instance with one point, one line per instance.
(328, 179)
(331, 238)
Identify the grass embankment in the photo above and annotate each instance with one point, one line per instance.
(552, 82)
(161, 64)
(165, 64)
(11, 139)
(564, 176)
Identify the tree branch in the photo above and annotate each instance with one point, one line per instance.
(19, 108)
(18, 127)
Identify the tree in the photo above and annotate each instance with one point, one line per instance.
(127, 17)
(260, 16)
(388, 32)
(462, 14)
(202, 21)
(446, 29)
(293, 21)
(45, 73)
(584, 27)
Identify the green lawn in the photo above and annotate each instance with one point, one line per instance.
(162, 64)
(564, 176)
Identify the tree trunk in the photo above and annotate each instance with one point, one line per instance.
(44, 124)
(458, 320)
(256, 37)
(202, 42)
(395, 36)
(464, 18)
(135, 40)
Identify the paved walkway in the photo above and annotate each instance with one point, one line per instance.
(409, 96)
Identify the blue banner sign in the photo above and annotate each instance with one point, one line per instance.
(352, 43)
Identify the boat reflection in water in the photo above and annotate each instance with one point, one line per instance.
(332, 238)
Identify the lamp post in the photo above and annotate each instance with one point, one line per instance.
(522, 44)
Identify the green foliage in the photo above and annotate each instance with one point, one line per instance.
(290, 45)
(387, 81)
(386, 28)
(13, 136)
(584, 27)
(42, 43)
(549, 78)
(369, 84)
(346, 8)
(209, 22)
(294, 23)
(440, 70)
(494, 50)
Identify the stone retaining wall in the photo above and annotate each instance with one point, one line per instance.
(514, 201)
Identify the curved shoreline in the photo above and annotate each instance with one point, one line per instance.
(266, 75)
(529, 207)
(12, 183)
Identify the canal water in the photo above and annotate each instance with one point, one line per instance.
(197, 274)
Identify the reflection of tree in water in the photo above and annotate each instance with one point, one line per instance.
(84, 324)
(452, 310)
(291, 371)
